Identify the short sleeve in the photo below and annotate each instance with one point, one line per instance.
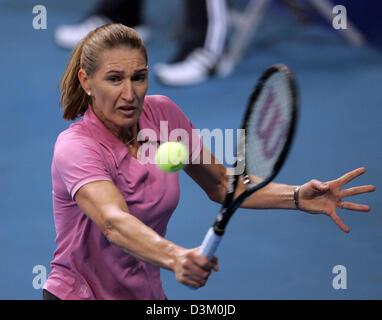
(79, 161)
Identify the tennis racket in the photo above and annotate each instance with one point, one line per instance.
(269, 125)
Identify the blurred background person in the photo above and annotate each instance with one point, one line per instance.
(201, 44)
(127, 12)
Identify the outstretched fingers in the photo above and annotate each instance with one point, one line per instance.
(347, 177)
(355, 206)
(357, 190)
(339, 222)
(352, 192)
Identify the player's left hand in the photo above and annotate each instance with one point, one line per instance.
(326, 197)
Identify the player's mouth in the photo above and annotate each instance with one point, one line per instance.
(127, 110)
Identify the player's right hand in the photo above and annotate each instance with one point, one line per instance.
(193, 269)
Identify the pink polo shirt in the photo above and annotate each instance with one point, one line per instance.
(86, 265)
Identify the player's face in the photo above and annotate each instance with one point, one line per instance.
(118, 88)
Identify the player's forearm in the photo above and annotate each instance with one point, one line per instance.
(272, 196)
(142, 242)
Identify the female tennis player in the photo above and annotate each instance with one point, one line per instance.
(110, 210)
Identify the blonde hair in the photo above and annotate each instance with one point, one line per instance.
(73, 99)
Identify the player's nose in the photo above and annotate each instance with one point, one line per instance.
(128, 92)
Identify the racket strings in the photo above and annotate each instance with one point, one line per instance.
(268, 126)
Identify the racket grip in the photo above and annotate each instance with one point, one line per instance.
(210, 243)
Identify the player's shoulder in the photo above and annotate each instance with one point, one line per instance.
(160, 104)
(160, 107)
(158, 99)
(75, 138)
(76, 132)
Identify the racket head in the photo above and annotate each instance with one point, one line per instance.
(270, 123)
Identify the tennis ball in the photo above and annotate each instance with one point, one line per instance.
(171, 156)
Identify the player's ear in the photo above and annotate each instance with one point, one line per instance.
(84, 80)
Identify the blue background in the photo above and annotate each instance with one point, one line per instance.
(274, 254)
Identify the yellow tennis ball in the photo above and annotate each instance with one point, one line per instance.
(171, 156)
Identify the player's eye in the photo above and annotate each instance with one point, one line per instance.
(114, 79)
(139, 77)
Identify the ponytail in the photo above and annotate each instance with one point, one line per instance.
(73, 100)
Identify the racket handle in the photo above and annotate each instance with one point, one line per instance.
(210, 243)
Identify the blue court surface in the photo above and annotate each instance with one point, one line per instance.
(274, 254)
